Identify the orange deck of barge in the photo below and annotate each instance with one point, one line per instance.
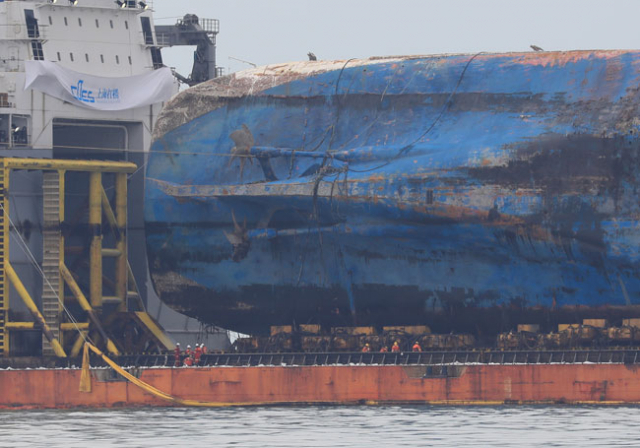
(330, 384)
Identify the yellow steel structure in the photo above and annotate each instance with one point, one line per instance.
(84, 304)
(16, 163)
(98, 204)
(95, 224)
(121, 245)
(26, 298)
(4, 249)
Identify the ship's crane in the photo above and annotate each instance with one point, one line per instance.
(190, 30)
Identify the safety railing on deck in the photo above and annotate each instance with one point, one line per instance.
(406, 358)
(423, 358)
(629, 356)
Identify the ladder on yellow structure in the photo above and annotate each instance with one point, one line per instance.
(51, 307)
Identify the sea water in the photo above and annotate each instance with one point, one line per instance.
(326, 426)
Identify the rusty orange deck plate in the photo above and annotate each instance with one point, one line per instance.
(471, 384)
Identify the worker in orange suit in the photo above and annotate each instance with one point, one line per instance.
(366, 348)
(416, 347)
(395, 348)
(384, 349)
(197, 354)
(204, 349)
(176, 356)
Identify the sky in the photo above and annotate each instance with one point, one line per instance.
(273, 31)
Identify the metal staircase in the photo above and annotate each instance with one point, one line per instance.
(51, 307)
(4, 339)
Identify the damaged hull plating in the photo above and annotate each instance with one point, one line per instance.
(467, 192)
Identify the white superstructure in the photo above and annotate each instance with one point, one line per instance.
(93, 37)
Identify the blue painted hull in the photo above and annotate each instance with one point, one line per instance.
(468, 192)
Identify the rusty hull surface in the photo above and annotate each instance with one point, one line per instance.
(472, 384)
(470, 193)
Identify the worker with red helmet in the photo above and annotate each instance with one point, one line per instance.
(416, 347)
(395, 348)
(177, 358)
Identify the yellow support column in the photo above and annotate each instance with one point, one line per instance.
(95, 226)
(31, 306)
(4, 257)
(77, 345)
(121, 235)
(61, 203)
(84, 304)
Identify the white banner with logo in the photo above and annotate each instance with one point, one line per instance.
(97, 92)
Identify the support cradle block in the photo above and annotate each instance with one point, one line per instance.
(277, 329)
(635, 323)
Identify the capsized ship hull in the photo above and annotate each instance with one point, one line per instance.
(467, 192)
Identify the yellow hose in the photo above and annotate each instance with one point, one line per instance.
(85, 377)
(158, 393)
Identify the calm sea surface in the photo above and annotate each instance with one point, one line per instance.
(534, 426)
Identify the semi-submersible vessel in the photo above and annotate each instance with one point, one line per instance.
(85, 80)
(482, 205)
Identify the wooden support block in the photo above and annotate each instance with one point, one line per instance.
(530, 328)
(598, 323)
(354, 331)
(409, 329)
(277, 329)
(313, 329)
(635, 322)
(565, 327)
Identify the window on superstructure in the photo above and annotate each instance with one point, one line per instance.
(117, 59)
(126, 25)
(65, 22)
(59, 57)
(32, 24)
(36, 48)
(146, 30)
(111, 23)
(156, 57)
(97, 23)
(86, 56)
(34, 34)
(102, 58)
(50, 21)
(79, 21)
(71, 56)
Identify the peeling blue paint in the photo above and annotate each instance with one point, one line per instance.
(402, 192)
